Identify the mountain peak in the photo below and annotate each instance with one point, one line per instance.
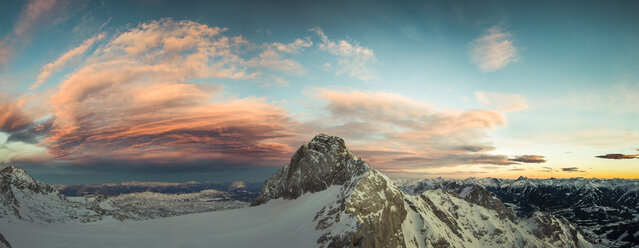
(315, 166)
(15, 175)
(10, 169)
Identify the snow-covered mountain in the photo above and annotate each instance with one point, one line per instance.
(24, 199)
(606, 209)
(369, 211)
(325, 197)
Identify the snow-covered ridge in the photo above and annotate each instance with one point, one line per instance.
(26, 199)
(607, 210)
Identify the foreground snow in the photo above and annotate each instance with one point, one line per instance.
(278, 223)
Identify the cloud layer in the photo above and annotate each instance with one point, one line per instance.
(395, 132)
(134, 100)
(494, 50)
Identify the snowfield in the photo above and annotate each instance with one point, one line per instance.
(278, 223)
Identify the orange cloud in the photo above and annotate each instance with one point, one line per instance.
(131, 101)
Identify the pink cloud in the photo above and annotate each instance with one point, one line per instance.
(394, 132)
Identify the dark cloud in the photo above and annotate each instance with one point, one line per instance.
(618, 156)
(529, 159)
(572, 169)
(32, 134)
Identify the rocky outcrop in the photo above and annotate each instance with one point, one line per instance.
(315, 166)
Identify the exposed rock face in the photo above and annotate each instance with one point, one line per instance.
(323, 162)
(4, 243)
(369, 211)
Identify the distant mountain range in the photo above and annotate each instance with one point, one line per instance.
(606, 209)
(114, 189)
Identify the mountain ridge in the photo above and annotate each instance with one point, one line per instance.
(607, 210)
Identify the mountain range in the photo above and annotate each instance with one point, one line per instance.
(607, 210)
(325, 197)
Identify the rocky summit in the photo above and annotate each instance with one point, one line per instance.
(369, 211)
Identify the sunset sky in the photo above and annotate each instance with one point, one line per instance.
(151, 90)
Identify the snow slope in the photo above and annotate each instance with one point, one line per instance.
(278, 223)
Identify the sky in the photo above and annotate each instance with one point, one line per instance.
(152, 90)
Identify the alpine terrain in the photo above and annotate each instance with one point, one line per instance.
(607, 210)
(325, 197)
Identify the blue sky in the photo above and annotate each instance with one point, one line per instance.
(550, 81)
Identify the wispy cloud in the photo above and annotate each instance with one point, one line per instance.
(501, 101)
(272, 57)
(35, 14)
(62, 61)
(353, 59)
(494, 50)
